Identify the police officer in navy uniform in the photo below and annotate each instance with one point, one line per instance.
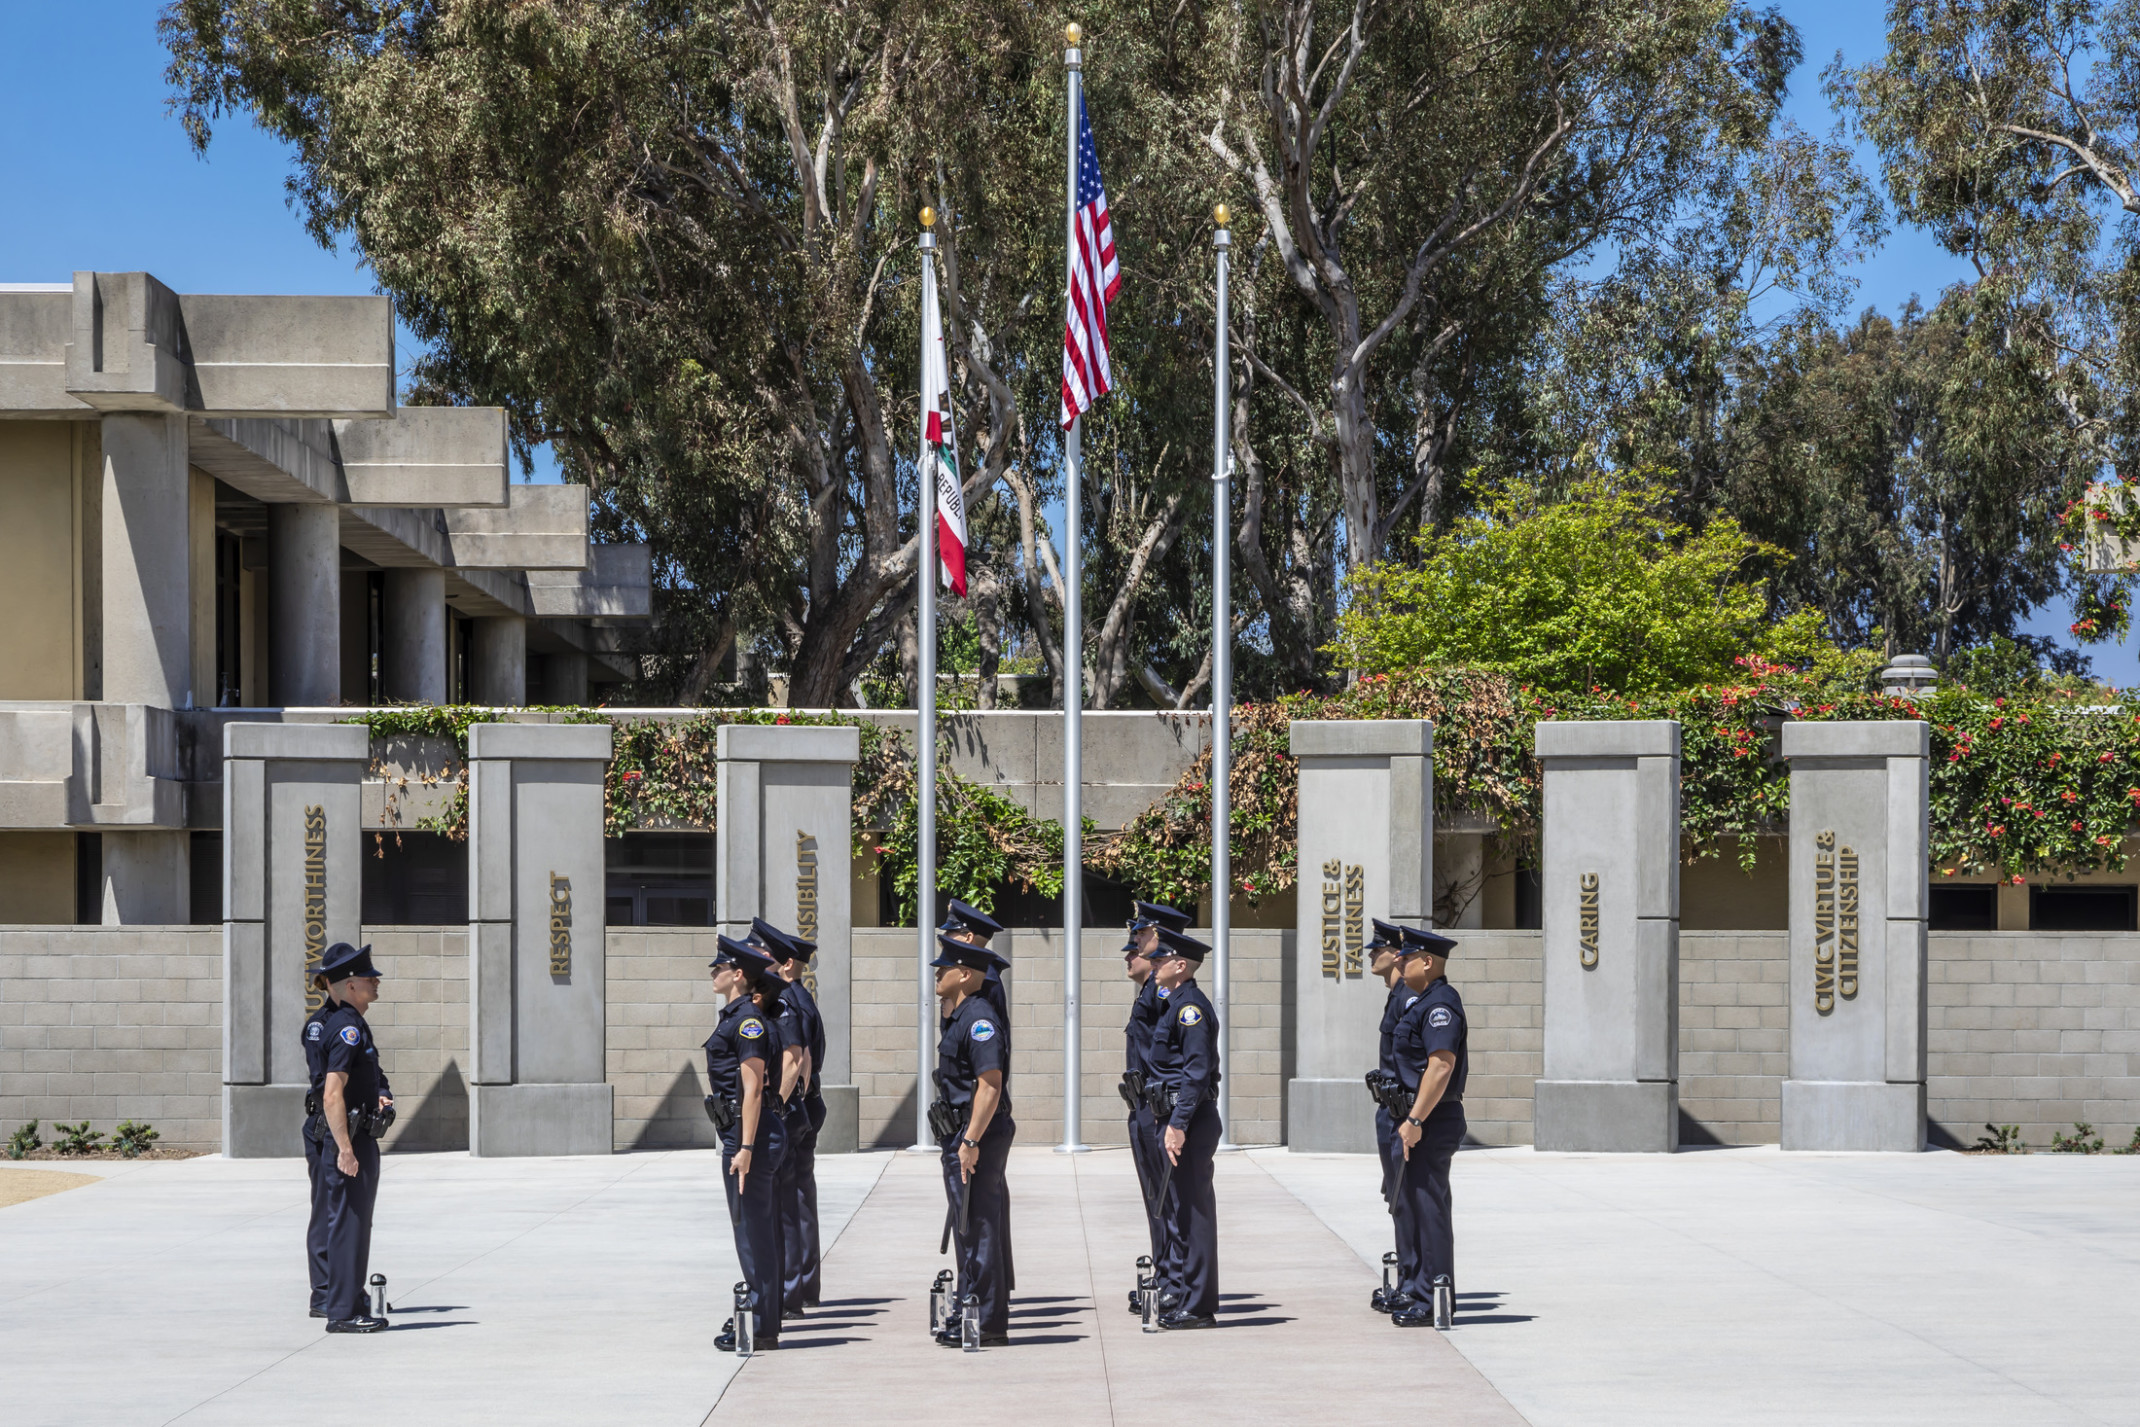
(973, 1067)
(1185, 1058)
(977, 928)
(1385, 962)
(1144, 1151)
(1433, 1063)
(313, 1033)
(806, 1116)
(354, 1104)
(743, 1059)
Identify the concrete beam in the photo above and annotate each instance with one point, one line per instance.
(278, 461)
(427, 456)
(36, 319)
(542, 528)
(617, 583)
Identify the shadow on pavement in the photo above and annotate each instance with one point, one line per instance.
(443, 1323)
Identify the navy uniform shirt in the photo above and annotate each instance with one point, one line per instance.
(1433, 1022)
(346, 1046)
(315, 1037)
(974, 1041)
(744, 1032)
(1400, 997)
(1185, 1050)
(997, 998)
(1143, 1019)
(809, 1027)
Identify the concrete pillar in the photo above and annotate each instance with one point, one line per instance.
(1610, 894)
(1366, 850)
(148, 589)
(412, 636)
(498, 663)
(1860, 897)
(784, 807)
(146, 877)
(565, 678)
(292, 886)
(304, 605)
(536, 932)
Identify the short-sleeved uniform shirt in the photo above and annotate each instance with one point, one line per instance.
(744, 1032)
(1400, 997)
(1185, 1050)
(975, 1041)
(346, 1046)
(1435, 1021)
(808, 1025)
(1144, 1015)
(314, 1033)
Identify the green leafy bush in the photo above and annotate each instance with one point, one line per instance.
(2083, 1140)
(77, 1139)
(23, 1141)
(131, 1139)
(2001, 1139)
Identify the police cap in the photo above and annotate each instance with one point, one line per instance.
(950, 951)
(958, 916)
(342, 961)
(1155, 914)
(1174, 943)
(1419, 942)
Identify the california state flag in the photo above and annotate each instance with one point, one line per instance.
(939, 446)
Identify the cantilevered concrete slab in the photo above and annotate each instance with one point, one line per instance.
(427, 456)
(541, 528)
(618, 583)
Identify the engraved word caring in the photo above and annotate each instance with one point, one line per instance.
(1588, 924)
(1835, 921)
(806, 901)
(560, 925)
(1344, 919)
(315, 901)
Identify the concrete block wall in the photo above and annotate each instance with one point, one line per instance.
(660, 1009)
(1734, 1036)
(1500, 975)
(886, 996)
(2036, 1029)
(114, 1023)
(420, 1022)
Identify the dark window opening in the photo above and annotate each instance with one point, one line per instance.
(205, 878)
(1965, 909)
(1530, 900)
(2081, 909)
(414, 879)
(88, 878)
(660, 879)
(229, 621)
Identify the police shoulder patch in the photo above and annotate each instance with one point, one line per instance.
(984, 1030)
(1191, 1015)
(312, 1032)
(1441, 1016)
(350, 1035)
(1410, 1001)
(751, 1029)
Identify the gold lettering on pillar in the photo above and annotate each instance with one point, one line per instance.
(315, 901)
(806, 901)
(1824, 921)
(1344, 919)
(560, 926)
(1588, 923)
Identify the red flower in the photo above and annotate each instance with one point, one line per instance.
(631, 775)
(2076, 827)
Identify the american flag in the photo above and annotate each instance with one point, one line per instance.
(1095, 278)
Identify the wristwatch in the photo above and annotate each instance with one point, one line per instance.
(970, 1144)
(1422, 1124)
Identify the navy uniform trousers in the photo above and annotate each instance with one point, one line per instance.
(1392, 1151)
(755, 1215)
(1426, 1221)
(1150, 1157)
(346, 1226)
(1191, 1216)
(984, 1250)
(316, 1229)
(798, 1207)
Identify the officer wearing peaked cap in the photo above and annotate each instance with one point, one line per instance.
(806, 1116)
(1433, 1063)
(978, 928)
(743, 1056)
(1145, 923)
(1185, 1060)
(351, 1106)
(1384, 961)
(975, 1130)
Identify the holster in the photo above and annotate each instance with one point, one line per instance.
(371, 1122)
(1159, 1098)
(1387, 1091)
(312, 1103)
(945, 1118)
(1132, 1088)
(723, 1113)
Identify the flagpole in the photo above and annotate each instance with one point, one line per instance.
(925, 632)
(1073, 657)
(1222, 679)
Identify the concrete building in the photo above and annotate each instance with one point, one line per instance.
(217, 504)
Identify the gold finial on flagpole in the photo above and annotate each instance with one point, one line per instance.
(1071, 35)
(1221, 216)
(928, 217)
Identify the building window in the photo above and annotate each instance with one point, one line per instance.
(2081, 909)
(660, 879)
(414, 879)
(1965, 909)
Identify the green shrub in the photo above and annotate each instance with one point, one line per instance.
(77, 1139)
(131, 1139)
(2001, 1139)
(26, 1139)
(2083, 1140)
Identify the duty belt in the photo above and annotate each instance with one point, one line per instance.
(1132, 1088)
(1387, 1091)
(945, 1118)
(723, 1113)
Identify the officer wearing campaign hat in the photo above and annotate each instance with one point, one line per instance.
(349, 1107)
(973, 1122)
(806, 1116)
(1433, 1063)
(1384, 961)
(1185, 1060)
(743, 1058)
(1146, 920)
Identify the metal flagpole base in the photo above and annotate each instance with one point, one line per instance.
(1073, 1149)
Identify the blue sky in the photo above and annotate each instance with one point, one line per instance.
(99, 176)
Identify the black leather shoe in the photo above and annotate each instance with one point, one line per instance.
(1168, 1302)
(356, 1325)
(725, 1340)
(789, 1315)
(1178, 1321)
(1136, 1302)
(1414, 1315)
(1377, 1302)
(952, 1339)
(319, 1312)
